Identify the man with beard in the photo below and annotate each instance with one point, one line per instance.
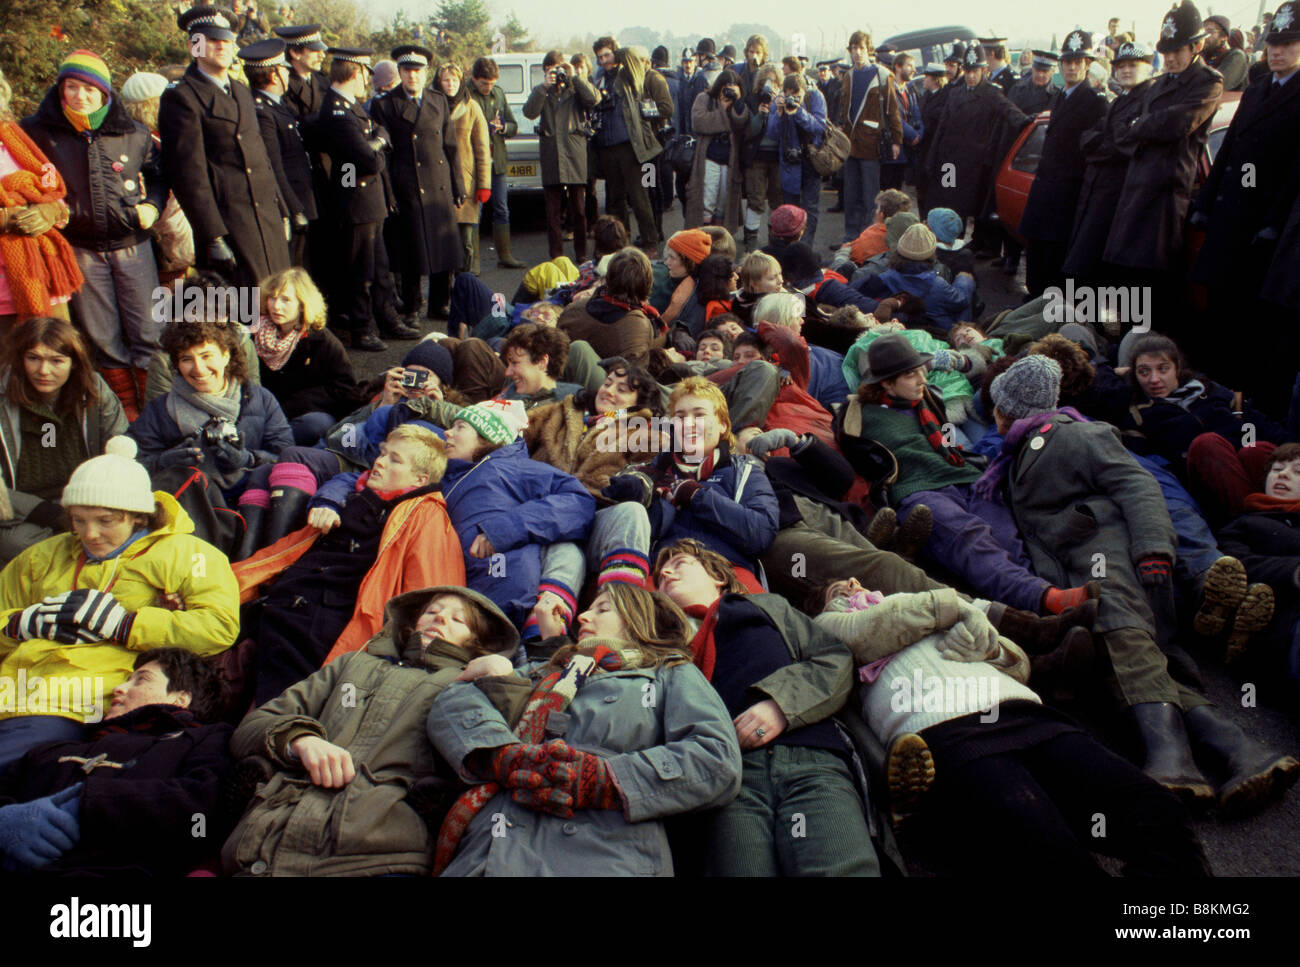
(974, 131)
(1106, 165)
(1222, 56)
(1164, 145)
(1049, 209)
(1244, 211)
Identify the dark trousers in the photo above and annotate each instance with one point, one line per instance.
(891, 176)
(1037, 811)
(1043, 266)
(623, 186)
(574, 197)
(298, 249)
(356, 278)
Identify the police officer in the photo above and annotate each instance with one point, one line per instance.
(215, 160)
(427, 181)
(267, 72)
(999, 71)
(306, 52)
(357, 149)
(1049, 209)
(1035, 92)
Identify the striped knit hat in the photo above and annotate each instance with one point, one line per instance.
(88, 67)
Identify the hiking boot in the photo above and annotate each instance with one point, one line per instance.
(368, 342)
(882, 528)
(1040, 635)
(909, 772)
(1251, 773)
(1253, 614)
(913, 532)
(1225, 588)
(1056, 674)
(1168, 756)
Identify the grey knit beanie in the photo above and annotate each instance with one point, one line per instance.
(1032, 385)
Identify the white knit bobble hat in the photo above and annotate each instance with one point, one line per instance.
(114, 480)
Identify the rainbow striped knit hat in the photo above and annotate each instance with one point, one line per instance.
(88, 67)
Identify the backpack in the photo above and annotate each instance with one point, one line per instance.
(828, 157)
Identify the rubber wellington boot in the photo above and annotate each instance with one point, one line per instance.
(1168, 757)
(288, 510)
(501, 239)
(1250, 773)
(254, 517)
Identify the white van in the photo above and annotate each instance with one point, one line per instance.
(520, 73)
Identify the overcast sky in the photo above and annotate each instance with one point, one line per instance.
(1036, 21)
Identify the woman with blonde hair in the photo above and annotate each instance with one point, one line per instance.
(300, 361)
(594, 801)
(475, 145)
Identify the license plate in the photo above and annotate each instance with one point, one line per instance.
(521, 171)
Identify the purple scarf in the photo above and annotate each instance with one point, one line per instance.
(987, 485)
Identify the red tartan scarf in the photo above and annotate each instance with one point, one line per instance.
(552, 694)
(930, 426)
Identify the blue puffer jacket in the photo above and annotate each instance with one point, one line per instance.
(521, 505)
(826, 376)
(739, 526)
(806, 126)
(261, 423)
(946, 303)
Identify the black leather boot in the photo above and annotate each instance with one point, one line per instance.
(254, 515)
(288, 511)
(1250, 774)
(1168, 757)
(1060, 674)
(1036, 634)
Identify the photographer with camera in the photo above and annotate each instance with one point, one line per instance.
(796, 119)
(719, 118)
(760, 154)
(559, 105)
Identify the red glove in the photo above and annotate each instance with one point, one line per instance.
(571, 780)
(509, 762)
(483, 195)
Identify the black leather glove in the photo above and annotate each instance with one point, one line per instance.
(231, 455)
(221, 257)
(300, 223)
(1199, 220)
(630, 485)
(181, 455)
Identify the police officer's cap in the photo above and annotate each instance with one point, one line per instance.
(307, 35)
(412, 55)
(957, 54)
(356, 55)
(1134, 51)
(934, 70)
(1046, 59)
(1078, 43)
(264, 53)
(212, 22)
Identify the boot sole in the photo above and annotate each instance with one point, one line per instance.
(1192, 793)
(883, 529)
(909, 772)
(913, 532)
(1254, 614)
(1254, 792)
(1225, 587)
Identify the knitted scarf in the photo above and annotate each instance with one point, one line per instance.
(1184, 395)
(384, 495)
(191, 409)
(604, 308)
(42, 267)
(552, 694)
(930, 426)
(1264, 504)
(987, 485)
(272, 348)
(703, 647)
(86, 122)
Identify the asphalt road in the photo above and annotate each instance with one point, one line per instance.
(1264, 845)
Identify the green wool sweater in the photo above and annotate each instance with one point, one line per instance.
(920, 466)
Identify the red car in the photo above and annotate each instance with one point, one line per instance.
(1017, 171)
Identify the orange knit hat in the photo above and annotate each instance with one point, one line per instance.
(692, 244)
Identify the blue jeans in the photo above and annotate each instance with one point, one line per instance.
(20, 734)
(861, 185)
(310, 427)
(621, 527)
(500, 200)
(809, 199)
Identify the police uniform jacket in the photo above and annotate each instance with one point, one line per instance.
(1049, 210)
(288, 154)
(216, 163)
(427, 180)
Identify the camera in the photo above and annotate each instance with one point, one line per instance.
(765, 96)
(218, 431)
(792, 103)
(731, 91)
(561, 75)
(414, 378)
(793, 156)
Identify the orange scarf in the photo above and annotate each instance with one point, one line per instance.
(39, 268)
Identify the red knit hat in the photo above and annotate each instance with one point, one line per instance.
(787, 221)
(692, 244)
